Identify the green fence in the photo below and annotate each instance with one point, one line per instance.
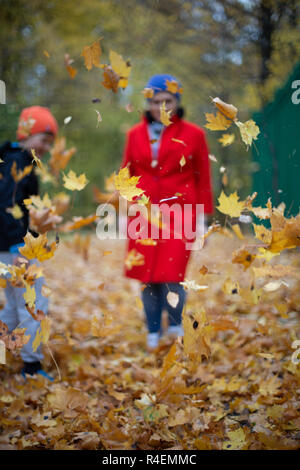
(277, 150)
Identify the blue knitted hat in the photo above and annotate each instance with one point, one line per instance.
(159, 83)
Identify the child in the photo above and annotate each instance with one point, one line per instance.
(36, 130)
(153, 152)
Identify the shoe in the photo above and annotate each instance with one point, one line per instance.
(152, 340)
(40, 372)
(175, 331)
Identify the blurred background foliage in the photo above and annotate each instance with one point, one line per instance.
(239, 50)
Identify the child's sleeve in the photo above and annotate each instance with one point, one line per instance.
(203, 174)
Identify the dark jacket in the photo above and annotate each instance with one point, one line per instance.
(13, 230)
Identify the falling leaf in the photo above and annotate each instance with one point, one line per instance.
(67, 120)
(173, 86)
(226, 139)
(249, 131)
(262, 233)
(212, 158)
(73, 182)
(182, 161)
(146, 241)
(179, 141)
(37, 247)
(242, 256)
(225, 179)
(15, 211)
(192, 285)
(110, 79)
(119, 65)
(217, 122)
(60, 156)
(126, 185)
(173, 299)
(36, 159)
(92, 55)
(25, 126)
(18, 175)
(134, 258)
(165, 115)
(274, 285)
(78, 222)
(29, 296)
(230, 286)
(42, 334)
(229, 110)
(99, 118)
(68, 61)
(46, 53)
(148, 93)
(230, 205)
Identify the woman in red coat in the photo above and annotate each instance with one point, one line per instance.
(173, 165)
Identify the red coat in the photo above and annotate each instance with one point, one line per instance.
(167, 260)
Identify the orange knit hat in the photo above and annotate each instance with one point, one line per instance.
(35, 120)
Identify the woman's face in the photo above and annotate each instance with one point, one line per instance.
(157, 101)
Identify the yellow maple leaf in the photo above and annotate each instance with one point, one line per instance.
(42, 334)
(29, 295)
(173, 86)
(25, 126)
(165, 115)
(266, 254)
(242, 256)
(230, 205)
(237, 440)
(148, 92)
(270, 386)
(134, 258)
(217, 122)
(249, 131)
(121, 67)
(231, 287)
(73, 182)
(36, 159)
(60, 156)
(229, 110)
(18, 175)
(92, 55)
(15, 211)
(126, 185)
(262, 233)
(226, 139)
(37, 247)
(197, 335)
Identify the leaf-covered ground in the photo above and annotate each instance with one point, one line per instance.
(112, 394)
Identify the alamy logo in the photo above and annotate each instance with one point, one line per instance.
(136, 222)
(2, 92)
(296, 94)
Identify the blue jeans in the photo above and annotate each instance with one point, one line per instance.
(154, 297)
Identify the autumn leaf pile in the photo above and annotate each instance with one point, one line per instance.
(230, 384)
